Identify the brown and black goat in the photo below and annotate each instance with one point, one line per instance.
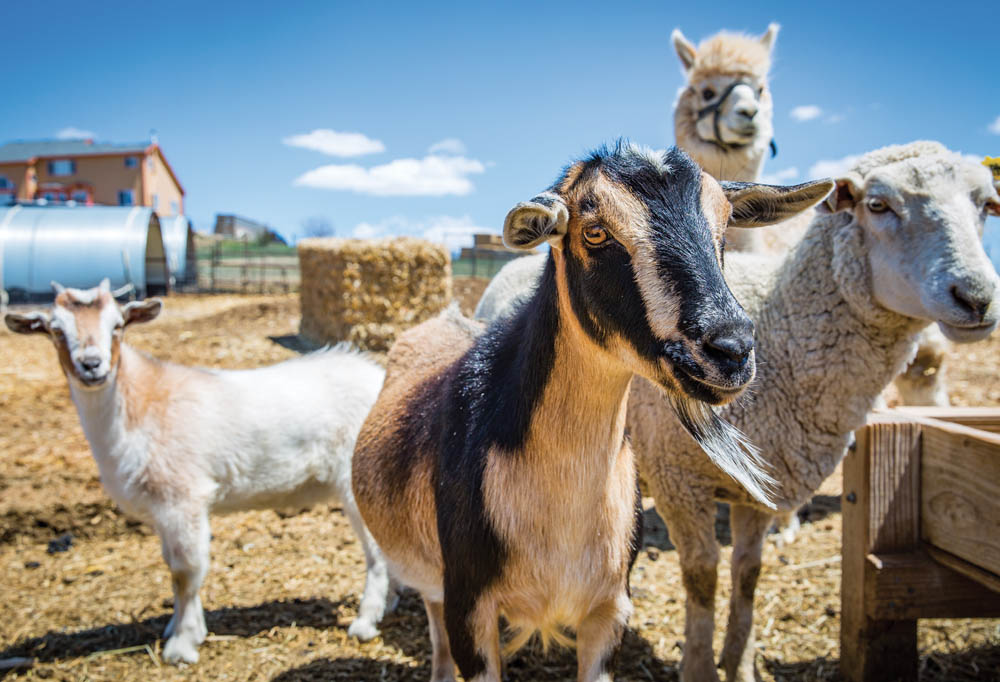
(494, 470)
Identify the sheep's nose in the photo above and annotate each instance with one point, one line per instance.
(972, 299)
(90, 363)
(731, 348)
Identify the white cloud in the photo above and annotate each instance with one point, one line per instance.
(806, 112)
(429, 176)
(336, 144)
(73, 133)
(452, 231)
(995, 126)
(832, 168)
(449, 145)
(834, 118)
(781, 177)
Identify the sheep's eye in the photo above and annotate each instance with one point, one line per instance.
(877, 206)
(595, 235)
(708, 94)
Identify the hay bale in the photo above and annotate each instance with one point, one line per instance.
(368, 291)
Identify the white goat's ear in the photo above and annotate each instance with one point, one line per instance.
(685, 49)
(544, 218)
(141, 311)
(845, 195)
(770, 35)
(756, 205)
(31, 323)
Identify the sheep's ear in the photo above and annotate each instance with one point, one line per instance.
(845, 195)
(770, 35)
(756, 205)
(686, 51)
(31, 323)
(530, 223)
(141, 311)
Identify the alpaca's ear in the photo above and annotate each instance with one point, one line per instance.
(770, 35)
(685, 49)
(543, 218)
(845, 195)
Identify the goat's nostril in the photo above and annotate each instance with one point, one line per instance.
(90, 363)
(972, 302)
(731, 348)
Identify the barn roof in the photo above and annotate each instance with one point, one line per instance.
(23, 150)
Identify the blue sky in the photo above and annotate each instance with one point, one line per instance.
(464, 109)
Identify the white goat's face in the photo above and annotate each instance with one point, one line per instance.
(729, 109)
(923, 221)
(86, 327)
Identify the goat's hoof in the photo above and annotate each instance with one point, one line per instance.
(363, 630)
(179, 650)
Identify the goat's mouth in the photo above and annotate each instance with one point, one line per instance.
(91, 379)
(967, 333)
(692, 380)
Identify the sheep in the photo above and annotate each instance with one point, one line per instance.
(493, 469)
(174, 443)
(896, 247)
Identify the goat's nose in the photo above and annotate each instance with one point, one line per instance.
(90, 363)
(731, 348)
(972, 299)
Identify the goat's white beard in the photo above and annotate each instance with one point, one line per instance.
(726, 446)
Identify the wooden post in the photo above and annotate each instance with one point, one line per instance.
(881, 515)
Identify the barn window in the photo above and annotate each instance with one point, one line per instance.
(59, 167)
(131, 162)
(126, 197)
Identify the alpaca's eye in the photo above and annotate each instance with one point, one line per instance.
(595, 235)
(760, 91)
(708, 94)
(877, 206)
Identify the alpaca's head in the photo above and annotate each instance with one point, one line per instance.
(723, 116)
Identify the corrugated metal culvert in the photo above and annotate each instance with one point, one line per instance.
(178, 240)
(78, 246)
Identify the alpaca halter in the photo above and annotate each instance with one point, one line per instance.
(714, 109)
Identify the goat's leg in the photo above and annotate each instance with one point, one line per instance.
(749, 527)
(442, 664)
(599, 637)
(473, 634)
(377, 583)
(185, 537)
(692, 530)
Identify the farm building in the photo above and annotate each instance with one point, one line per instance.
(78, 246)
(230, 225)
(90, 173)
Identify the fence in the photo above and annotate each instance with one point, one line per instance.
(245, 267)
(921, 503)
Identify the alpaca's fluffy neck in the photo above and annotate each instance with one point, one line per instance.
(826, 352)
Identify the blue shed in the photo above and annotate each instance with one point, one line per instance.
(178, 240)
(78, 246)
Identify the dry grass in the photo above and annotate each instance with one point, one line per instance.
(283, 588)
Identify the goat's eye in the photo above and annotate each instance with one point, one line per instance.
(708, 94)
(877, 206)
(595, 235)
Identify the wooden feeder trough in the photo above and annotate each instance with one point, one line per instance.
(921, 512)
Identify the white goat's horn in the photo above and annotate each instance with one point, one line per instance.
(57, 287)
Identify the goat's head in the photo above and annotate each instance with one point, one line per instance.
(919, 211)
(86, 327)
(637, 239)
(726, 101)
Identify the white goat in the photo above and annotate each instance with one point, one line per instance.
(174, 443)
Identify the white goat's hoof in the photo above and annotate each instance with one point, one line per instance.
(178, 650)
(363, 630)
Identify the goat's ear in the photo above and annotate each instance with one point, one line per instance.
(32, 323)
(845, 195)
(757, 205)
(685, 49)
(141, 311)
(770, 35)
(530, 223)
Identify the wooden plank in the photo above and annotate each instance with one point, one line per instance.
(915, 585)
(960, 480)
(991, 581)
(984, 418)
(881, 508)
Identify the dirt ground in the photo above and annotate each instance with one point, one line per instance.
(283, 587)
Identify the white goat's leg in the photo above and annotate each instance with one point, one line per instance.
(598, 638)
(185, 537)
(377, 584)
(749, 527)
(788, 526)
(693, 531)
(442, 664)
